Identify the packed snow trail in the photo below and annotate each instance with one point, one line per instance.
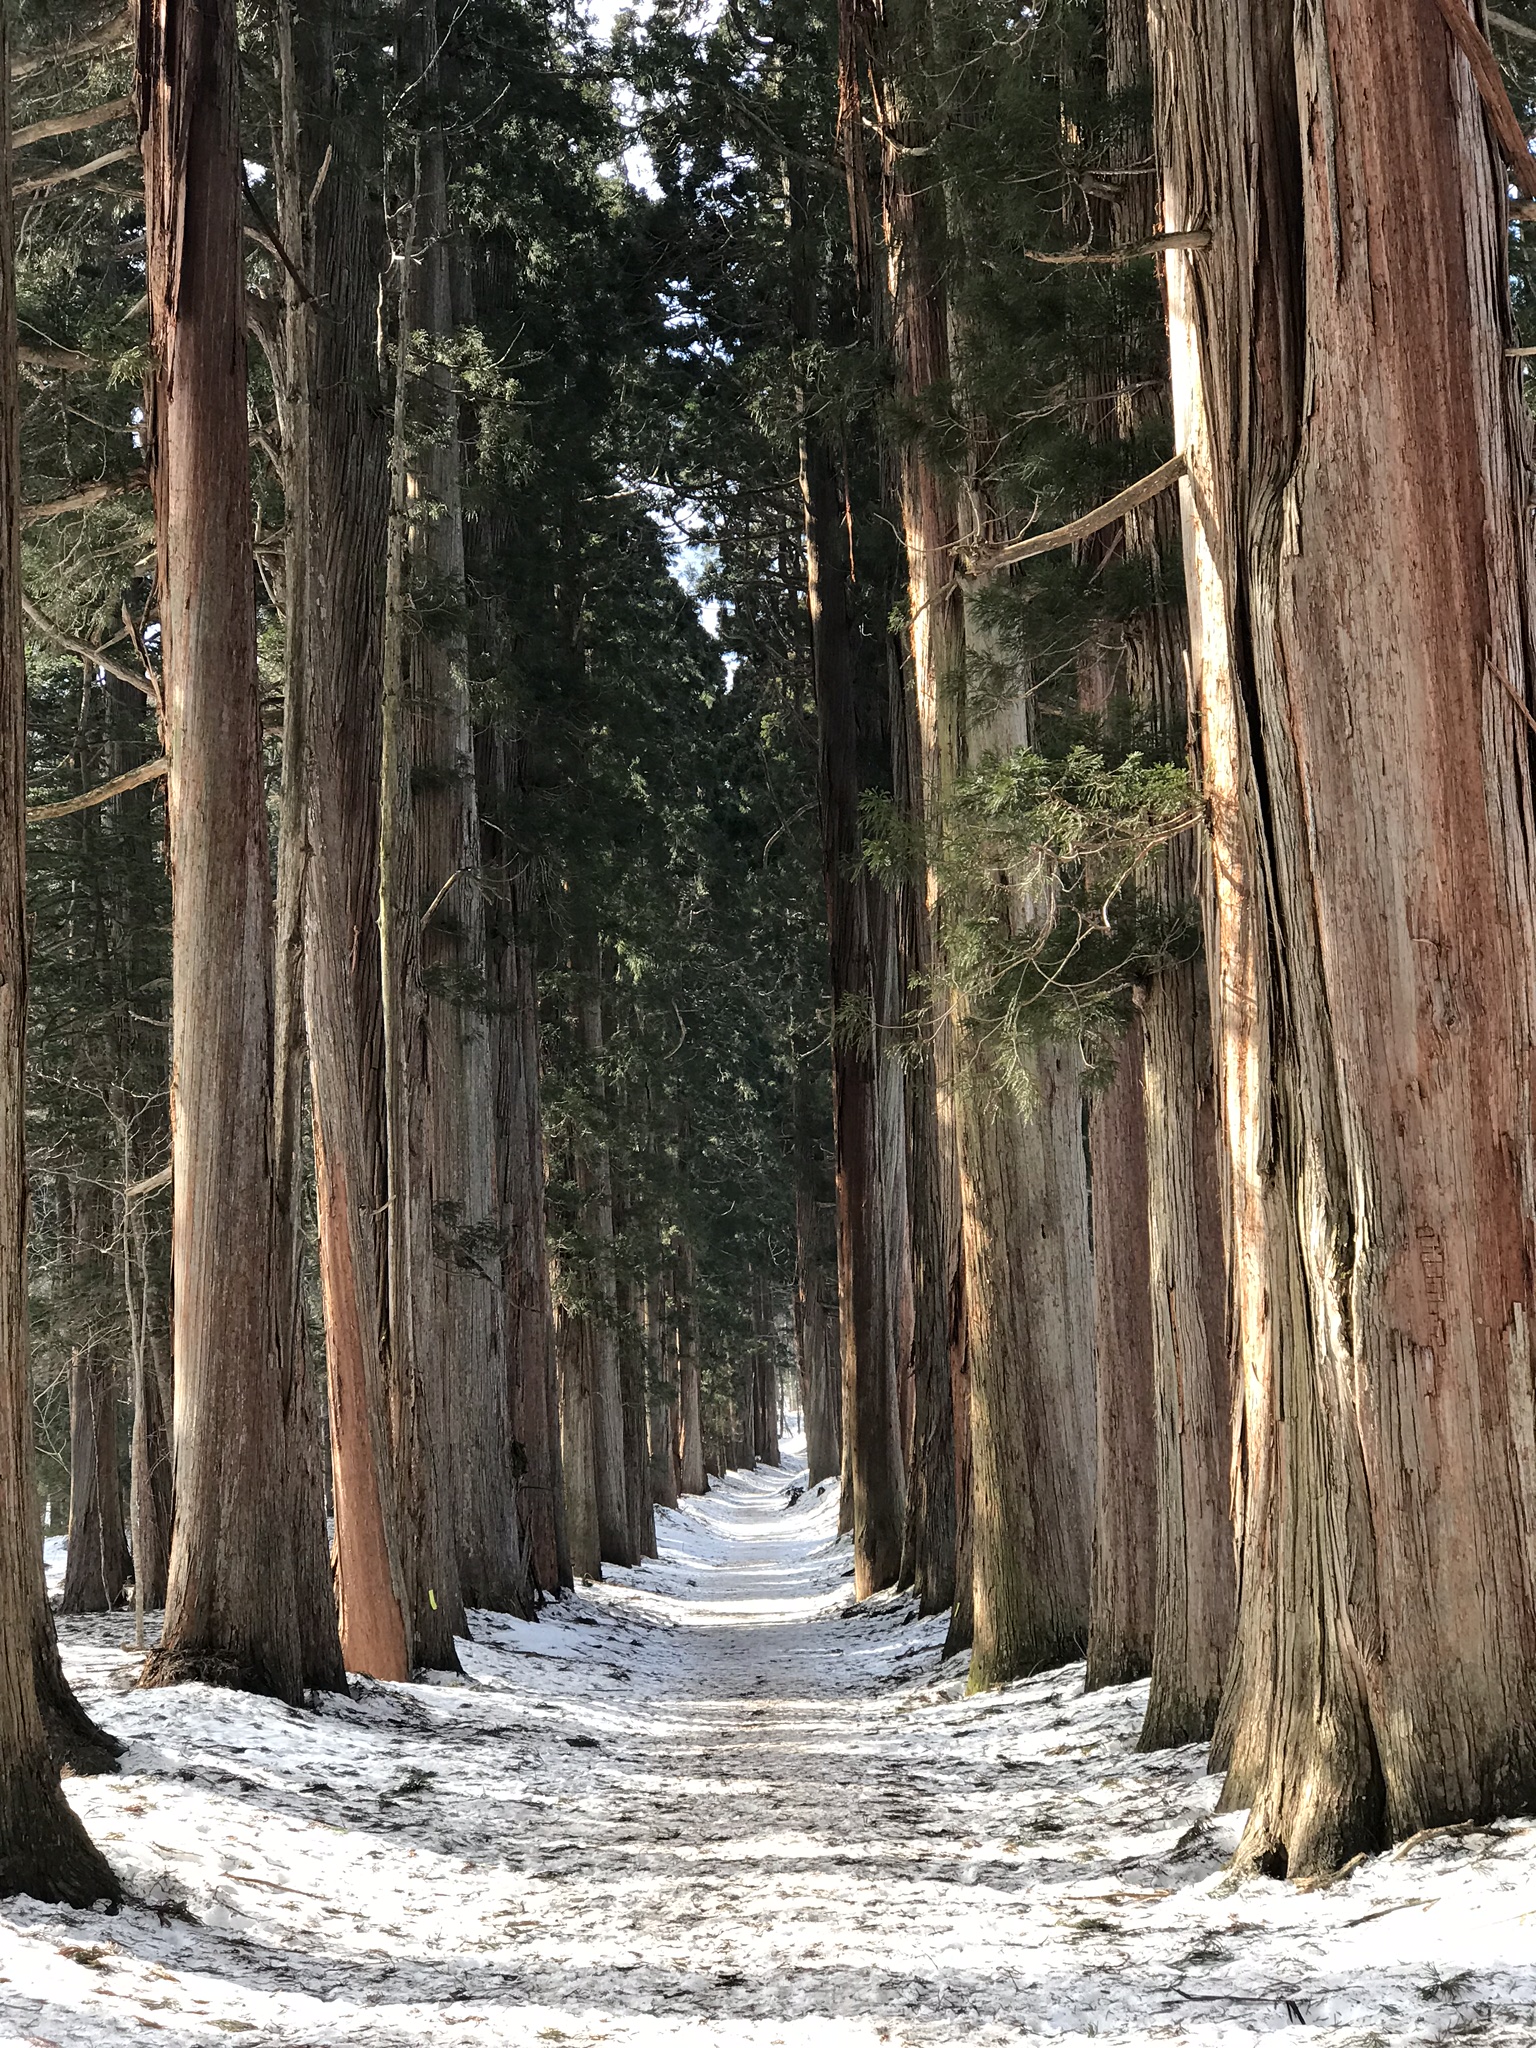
(711, 1802)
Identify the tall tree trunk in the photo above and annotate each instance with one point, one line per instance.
(595, 1177)
(1180, 1322)
(629, 1337)
(1196, 1585)
(574, 1347)
(865, 1307)
(691, 1475)
(930, 1544)
(1029, 1338)
(765, 1378)
(519, 1124)
(343, 601)
(661, 1381)
(1123, 1604)
(320, 1644)
(962, 1616)
(461, 1334)
(1022, 1180)
(816, 1341)
(43, 1848)
(856, 927)
(151, 1496)
(232, 1609)
(1360, 589)
(98, 1568)
(422, 1412)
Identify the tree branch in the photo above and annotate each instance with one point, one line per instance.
(1512, 28)
(137, 1189)
(149, 771)
(1473, 44)
(71, 124)
(32, 358)
(73, 175)
(116, 35)
(70, 645)
(83, 499)
(987, 563)
(1193, 238)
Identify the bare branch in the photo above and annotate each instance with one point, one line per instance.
(987, 563)
(70, 645)
(32, 358)
(1473, 45)
(71, 124)
(1512, 28)
(136, 1189)
(149, 771)
(116, 35)
(73, 175)
(83, 499)
(1193, 238)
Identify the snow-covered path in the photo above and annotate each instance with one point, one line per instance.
(710, 1802)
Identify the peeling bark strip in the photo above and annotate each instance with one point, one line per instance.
(232, 1611)
(1361, 601)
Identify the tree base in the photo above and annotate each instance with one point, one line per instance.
(77, 1746)
(169, 1666)
(44, 1851)
(1114, 1664)
(1175, 1723)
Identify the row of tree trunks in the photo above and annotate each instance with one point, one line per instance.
(1024, 1240)
(1360, 596)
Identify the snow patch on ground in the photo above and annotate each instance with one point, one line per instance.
(708, 1802)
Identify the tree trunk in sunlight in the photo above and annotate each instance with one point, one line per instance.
(341, 524)
(1023, 1188)
(1357, 452)
(234, 1600)
(856, 925)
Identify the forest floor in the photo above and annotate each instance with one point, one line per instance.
(709, 1802)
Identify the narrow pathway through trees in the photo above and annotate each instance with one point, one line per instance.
(710, 1802)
